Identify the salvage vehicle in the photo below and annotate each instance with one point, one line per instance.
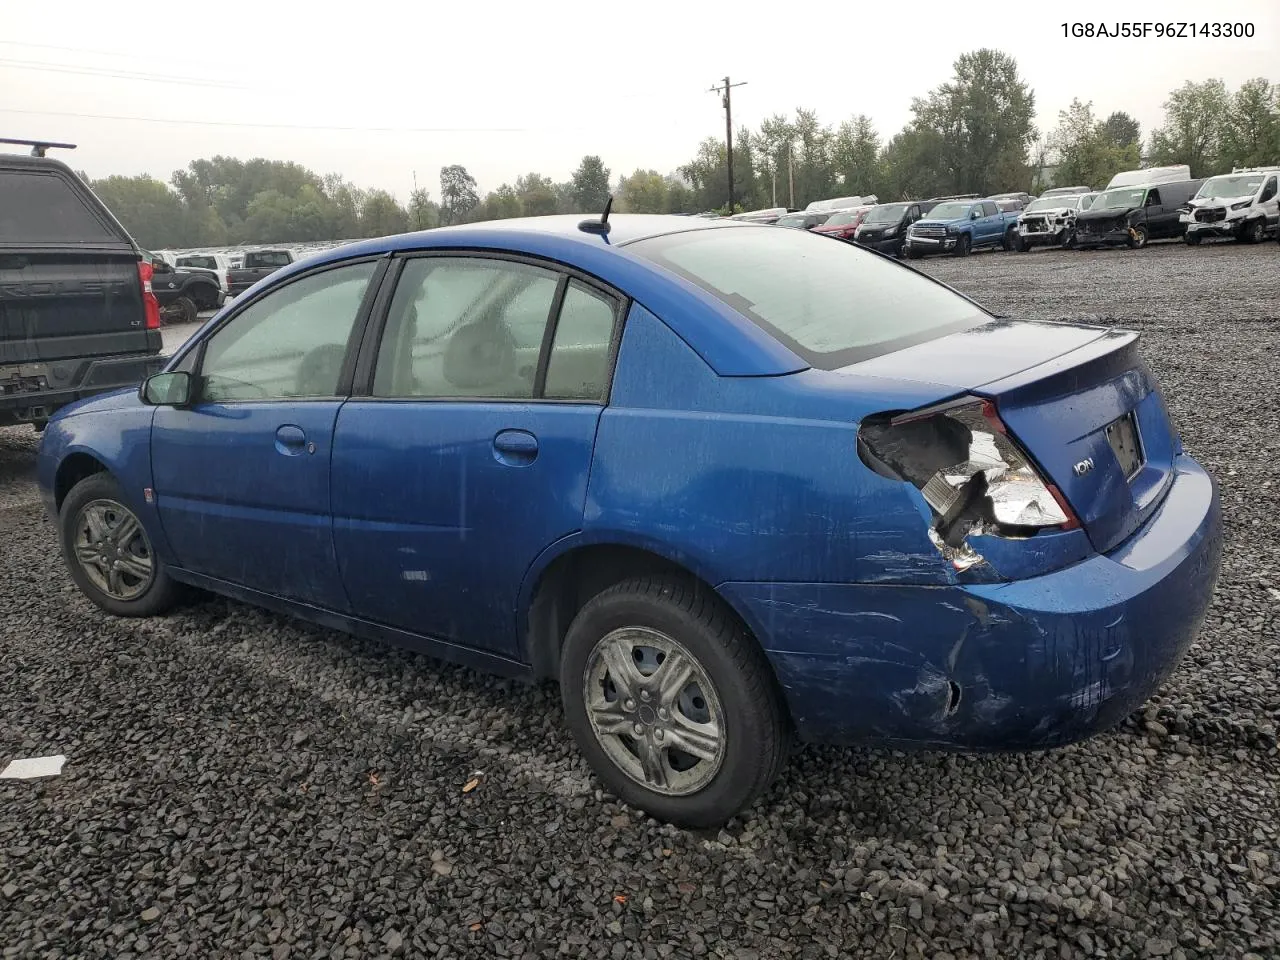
(959, 226)
(739, 484)
(256, 265)
(1065, 192)
(183, 293)
(1241, 204)
(844, 223)
(1049, 221)
(806, 220)
(884, 228)
(1134, 215)
(840, 203)
(219, 264)
(77, 313)
(1177, 173)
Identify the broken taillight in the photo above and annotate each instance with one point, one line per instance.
(973, 474)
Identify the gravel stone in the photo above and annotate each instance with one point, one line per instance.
(241, 785)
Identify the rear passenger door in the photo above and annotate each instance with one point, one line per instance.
(468, 451)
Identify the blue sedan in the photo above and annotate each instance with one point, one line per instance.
(729, 484)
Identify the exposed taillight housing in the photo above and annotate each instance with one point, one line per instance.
(972, 472)
(150, 305)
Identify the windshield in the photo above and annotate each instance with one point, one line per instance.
(830, 303)
(1086, 201)
(887, 213)
(841, 219)
(1245, 185)
(1054, 203)
(1120, 199)
(793, 221)
(950, 211)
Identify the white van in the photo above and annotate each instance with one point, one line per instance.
(1241, 204)
(1151, 176)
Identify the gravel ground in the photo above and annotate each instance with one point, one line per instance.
(239, 785)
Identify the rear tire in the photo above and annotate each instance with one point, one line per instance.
(183, 310)
(109, 554)
(624, 646)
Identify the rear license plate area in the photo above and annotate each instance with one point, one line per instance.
(1122, 434)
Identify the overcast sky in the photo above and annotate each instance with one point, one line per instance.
(508, 88)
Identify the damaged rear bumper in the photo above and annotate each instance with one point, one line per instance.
(1024, 665)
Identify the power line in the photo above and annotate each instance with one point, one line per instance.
(116, 74)
(264, 126)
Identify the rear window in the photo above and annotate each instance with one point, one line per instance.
(827, 301)
(207, 263)
(267, 258)
(39, 207)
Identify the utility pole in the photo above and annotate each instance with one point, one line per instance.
(791, 181)
(728, 130)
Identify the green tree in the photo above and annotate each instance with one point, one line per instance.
(537, 195)
(458, 195)
(912, 166)
(149, 210)
(424, 213)
(855, 154)
(983, 119)
(381, 215)
(590, 185)
(645, 191)
(1087, 153)
(680, 199)
(1251, 137)
(1120, 130)
(1194, 127)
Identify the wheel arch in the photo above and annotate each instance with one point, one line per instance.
(574, 570)
(74, 467)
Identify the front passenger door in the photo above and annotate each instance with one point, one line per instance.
(242, 475)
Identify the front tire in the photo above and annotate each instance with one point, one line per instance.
(1191, 239)
(963, 245)
(1254, 232)
(672, 702)
(1138, 239)
(108, 552)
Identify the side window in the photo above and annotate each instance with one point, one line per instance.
(579, 365)
(1153, 198)
(913, 215)
(464, 327)
(1268, 191)
(290, 343)
(989, 209)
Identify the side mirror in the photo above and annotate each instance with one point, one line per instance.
(167, 389)
(975, 214)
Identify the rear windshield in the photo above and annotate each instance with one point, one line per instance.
(208, 263)
(39, 207)
(267, 258)
(827, 301)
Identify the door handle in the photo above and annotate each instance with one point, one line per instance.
(292, 440)
(515, 447)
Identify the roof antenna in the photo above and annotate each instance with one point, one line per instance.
(600, 226)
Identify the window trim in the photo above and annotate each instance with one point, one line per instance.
(366, 362)
(354, 339)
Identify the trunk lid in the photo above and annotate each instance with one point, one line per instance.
(1078, 399)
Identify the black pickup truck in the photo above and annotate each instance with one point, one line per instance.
(183, 292)
(77, 315)
(257, 264)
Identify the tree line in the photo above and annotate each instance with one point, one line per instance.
(974, 133)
